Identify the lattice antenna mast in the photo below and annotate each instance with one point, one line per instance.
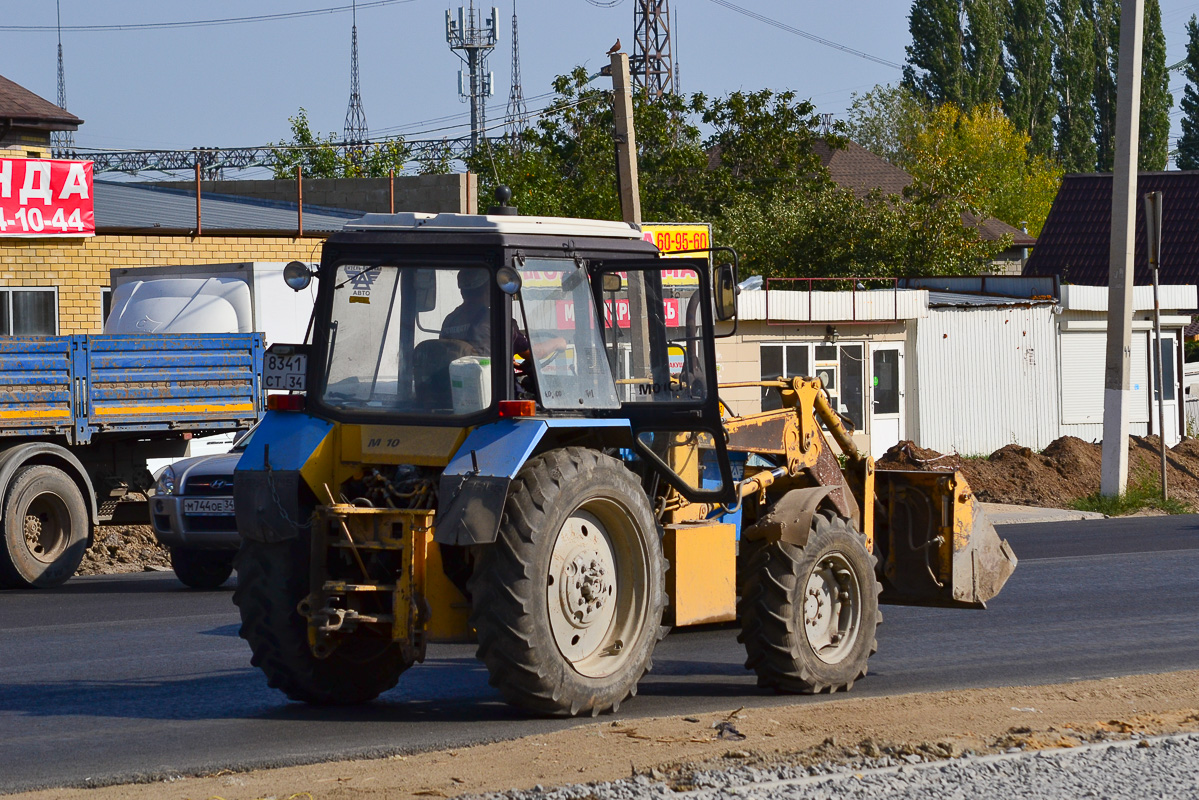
(473, 39)
(355, 131)
(516, 97)
(651, 64)
(61, 142)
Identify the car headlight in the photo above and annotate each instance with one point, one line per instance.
(166, 482)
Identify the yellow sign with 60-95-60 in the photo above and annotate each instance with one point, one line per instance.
(673, 239)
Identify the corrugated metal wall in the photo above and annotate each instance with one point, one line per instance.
(985, 377)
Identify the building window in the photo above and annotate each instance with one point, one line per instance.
(782, 361)
(28, 312)
(840, 367)
(105, 304)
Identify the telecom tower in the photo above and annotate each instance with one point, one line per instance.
(61, 142)
(473, 40)
(355, 132)
(651, 61)
(516, 97)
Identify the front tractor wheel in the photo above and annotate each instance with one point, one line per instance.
(568, 601)
(809, 614)
(272, 579)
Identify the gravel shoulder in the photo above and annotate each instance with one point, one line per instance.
(676, 752)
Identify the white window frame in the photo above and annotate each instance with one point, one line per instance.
(10, 290)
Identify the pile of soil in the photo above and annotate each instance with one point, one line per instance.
(124, 548)
(1066, 470)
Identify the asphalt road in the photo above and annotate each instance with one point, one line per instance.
(111, 678)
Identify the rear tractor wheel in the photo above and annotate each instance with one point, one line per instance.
(568, 601)
(809, 614)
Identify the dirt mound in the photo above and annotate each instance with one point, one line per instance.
(1067, 469)
(125, 548)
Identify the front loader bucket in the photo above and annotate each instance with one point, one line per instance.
(936, 545)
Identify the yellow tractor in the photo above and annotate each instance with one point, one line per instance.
(508, 430)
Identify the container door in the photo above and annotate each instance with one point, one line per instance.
(886, 397)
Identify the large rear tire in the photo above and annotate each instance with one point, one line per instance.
(809, 614)
(201, 569)
(45, 529)
(271, 581)
(568, 601)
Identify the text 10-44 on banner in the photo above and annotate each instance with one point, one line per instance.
(43, 197)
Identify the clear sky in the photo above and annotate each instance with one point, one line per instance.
(236, 84)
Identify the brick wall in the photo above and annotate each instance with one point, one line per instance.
(79, 267)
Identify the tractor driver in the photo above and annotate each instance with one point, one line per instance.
(470, 322)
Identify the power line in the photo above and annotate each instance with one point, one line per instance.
(201, 23)
(810, 36)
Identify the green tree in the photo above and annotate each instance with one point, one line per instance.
(1074, 85)
(983, 54)
(1156, 99)
(320, 157)
(981, 158)
(1026, 86)
(885, 120)
(1188, 145)
(935, 69)
(1105, 20)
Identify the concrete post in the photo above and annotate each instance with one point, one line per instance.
(1116, 394)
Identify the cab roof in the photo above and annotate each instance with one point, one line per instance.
(505, 224)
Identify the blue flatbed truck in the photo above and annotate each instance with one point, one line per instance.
(79, 417)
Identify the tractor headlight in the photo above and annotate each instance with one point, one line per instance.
(166, 482)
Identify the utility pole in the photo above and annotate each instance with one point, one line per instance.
(1153, 237)
(473, 40)
(1116, 394)
(651, 64)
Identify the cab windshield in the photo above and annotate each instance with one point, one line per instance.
(410, 340)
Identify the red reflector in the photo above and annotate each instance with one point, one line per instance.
(285, 402)
(517, 408)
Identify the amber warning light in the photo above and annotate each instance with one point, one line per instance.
(285, 402)
(517, 408)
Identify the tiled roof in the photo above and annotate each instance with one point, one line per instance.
(24, 107)
(1075, 242)
(132, 206)
(854, 167)
(991, 229)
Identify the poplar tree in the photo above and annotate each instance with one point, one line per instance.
(1074, 83)
(935, 69)
(1188, 145)
(986, 22)
(1105, 21)
(1026, 89)
(1156, 99)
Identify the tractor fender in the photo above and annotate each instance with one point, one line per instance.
(52, 455)
(790, 519)
(474, 485)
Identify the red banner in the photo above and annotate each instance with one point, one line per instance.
(40, 197)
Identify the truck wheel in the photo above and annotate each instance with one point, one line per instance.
(45, 529)
(271, 581)
(201, 569)
(809, 614)
(568, 601)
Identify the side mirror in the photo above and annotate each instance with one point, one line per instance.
(612, 282)
(725, 292)
(298, 275)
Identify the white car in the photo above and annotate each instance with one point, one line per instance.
(192, 515)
